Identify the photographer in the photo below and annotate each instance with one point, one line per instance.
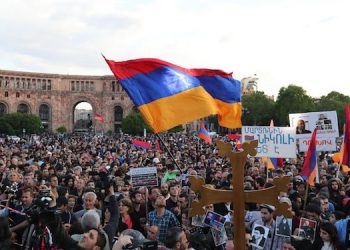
(20, 220)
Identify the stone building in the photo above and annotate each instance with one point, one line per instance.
(53, 97)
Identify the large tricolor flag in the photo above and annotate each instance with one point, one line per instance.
(204, 134)
(346, 144)
(310, 163)
(168, 95)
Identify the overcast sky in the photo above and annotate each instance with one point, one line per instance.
(283, 42)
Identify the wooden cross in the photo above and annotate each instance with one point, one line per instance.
(208, 195)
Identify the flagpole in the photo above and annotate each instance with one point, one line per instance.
(167, 149)
(317, 170)
(306, 194)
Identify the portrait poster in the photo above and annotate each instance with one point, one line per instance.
(283, 226)
(326, 123)
(220, 237)
(259, 236)
(214, 220)
(307, 229)
(197, 221)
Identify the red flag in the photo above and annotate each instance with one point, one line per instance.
(157, 146)
(234, 136)
(99, 117)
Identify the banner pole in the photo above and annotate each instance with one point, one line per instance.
(306, 194)
(167, 149)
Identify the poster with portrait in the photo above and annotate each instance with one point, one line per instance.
(259, 236)
(197, 221)
(307, 229)
(283, 226)
(326, 123)
(220, 237)
(214, 220)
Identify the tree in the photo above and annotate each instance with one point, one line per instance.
(334, 101)
(134, 124)
(14, 123)
(258, 109)
(292, 99)
(61, 129)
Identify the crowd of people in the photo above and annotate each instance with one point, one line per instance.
(75, 192)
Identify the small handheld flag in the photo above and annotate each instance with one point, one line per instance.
(141, 144)
(203, 133)
(99, 117)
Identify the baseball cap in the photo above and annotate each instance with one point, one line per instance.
(268, 207)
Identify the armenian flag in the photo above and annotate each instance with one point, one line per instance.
(346, 144)
(168, 95)
(141, 144)
(204, 134)
(310, 163)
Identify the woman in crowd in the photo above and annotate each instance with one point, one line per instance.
(127, 220)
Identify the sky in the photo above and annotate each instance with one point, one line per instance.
(306, 43)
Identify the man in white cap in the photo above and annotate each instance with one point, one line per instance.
(273, 241)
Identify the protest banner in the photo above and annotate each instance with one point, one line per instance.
(144, 177)
(326, 123)
(277, 142)
(322, 144)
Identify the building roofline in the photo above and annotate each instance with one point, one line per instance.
(51, 75)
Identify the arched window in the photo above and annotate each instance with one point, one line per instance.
(3, 108)
(23, 108)
(44, 112)
(118, 113)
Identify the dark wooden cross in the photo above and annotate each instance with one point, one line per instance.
(209, 195)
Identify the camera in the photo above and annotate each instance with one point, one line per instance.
(41, 203)
(12, 189)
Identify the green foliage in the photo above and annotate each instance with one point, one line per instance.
(176, 129)
(258, 109)
(134, 124)
(292, 99)
(109, 132)
(61, 129)
(14, 123)
(334, 101)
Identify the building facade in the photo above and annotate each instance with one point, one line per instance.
(53, 97)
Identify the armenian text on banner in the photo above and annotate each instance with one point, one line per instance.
(278, 142)
(322, 144)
